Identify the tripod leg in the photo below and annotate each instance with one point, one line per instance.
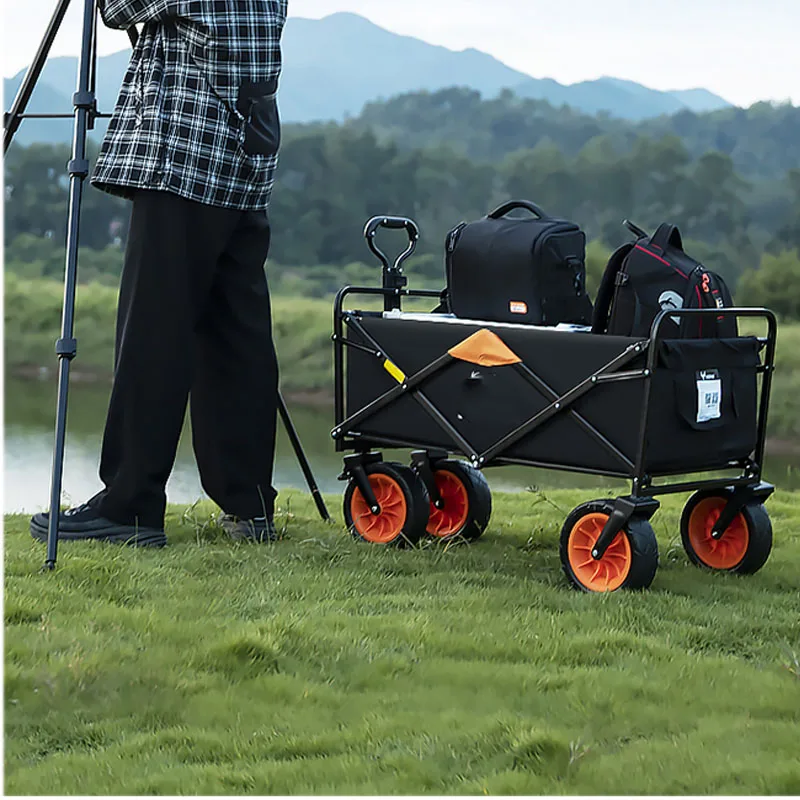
(66, 347)
(301, 457)
(14, 117)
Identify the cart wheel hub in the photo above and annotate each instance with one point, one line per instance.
(449, 516)
(382, 523)
(605, 574)
(723, 551)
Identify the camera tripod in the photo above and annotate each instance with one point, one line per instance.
(85, 113)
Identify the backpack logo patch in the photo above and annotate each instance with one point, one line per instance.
(670, 300)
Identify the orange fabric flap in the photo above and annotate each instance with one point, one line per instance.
(486, 349)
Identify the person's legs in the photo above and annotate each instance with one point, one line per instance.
(234, 396)
(173, 249)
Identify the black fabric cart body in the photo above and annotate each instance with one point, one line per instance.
(598, 404)
(558, 398)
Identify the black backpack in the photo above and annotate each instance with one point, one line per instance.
(527, 269)
(654, 273)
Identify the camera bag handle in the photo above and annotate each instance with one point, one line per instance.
(511, 205)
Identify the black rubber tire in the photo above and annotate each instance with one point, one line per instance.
(759, 528)
(479, 499)
(414, 493)
(640, 535)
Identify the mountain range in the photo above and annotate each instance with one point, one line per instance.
(335, 65)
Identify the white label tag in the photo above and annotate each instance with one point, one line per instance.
(709, 395)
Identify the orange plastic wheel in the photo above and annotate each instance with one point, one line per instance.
(453, 517)
(745, 545)
(606, 574)
(724, 553)
(467, 500)
(403, 501)
(386, 526)
(630, 561)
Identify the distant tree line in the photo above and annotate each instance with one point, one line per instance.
(448, 156)
(763, 141)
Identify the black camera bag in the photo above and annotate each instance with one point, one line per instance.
(511, 269)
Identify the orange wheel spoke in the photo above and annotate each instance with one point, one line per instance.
(583, 542)
(371, 523)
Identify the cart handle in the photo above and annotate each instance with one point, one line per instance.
(393, 223)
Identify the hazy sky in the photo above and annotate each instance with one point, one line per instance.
(744, 50)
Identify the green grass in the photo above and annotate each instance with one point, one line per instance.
(785, 403)
(320, 665)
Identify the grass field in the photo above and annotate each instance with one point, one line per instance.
(319, 665)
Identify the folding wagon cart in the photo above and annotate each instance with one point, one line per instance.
(647, 410)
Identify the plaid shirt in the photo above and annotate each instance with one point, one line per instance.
(197, 112)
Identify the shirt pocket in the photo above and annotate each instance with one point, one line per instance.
(258, 105)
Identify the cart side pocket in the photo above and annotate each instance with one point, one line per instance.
(705, 399)
(705, 404)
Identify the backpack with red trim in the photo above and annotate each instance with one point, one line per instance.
(652, 274)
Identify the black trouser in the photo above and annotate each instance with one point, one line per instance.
(193, 324)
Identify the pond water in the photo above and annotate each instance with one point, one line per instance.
(29, 436)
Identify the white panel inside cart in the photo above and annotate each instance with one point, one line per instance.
(450, 319)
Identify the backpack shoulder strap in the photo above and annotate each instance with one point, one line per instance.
(713, 293)
(608, 284)
(711, 289)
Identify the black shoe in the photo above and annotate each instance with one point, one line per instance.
(257, 529)
(84, 523)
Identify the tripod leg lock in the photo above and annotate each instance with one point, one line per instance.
(85, 100)
(78, 167)
(67, 348)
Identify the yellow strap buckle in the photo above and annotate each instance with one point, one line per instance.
(394, 371)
